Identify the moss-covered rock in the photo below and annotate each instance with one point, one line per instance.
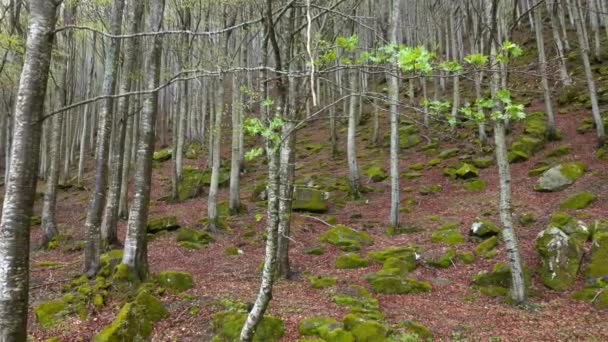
(559, 151)
(475, 185)
(484, 228)
(466, 257)
(175, 281)
(495, 282)
(539, 170)
(597, 296)
(408, 137)
(111, 259)
(526, 219)
(367, 330)
(430, 189)
(419, 329)
(346, 238)
(193, 236)
(517, 156)
(193, 150)
(351, 260)
(317, 282)
(579, 200)
(162, 155)
(135, 320)
(445, 260)
(191, 183)
(486, 246)
(387, 283)
(560, 257)
(52, 312)
(447, 234)
(308, 199)
(227, 327)
(467, 171)
(524, 147)
(312, 326)
(375, 173)
(167, 223)
(449, 153)
(417, 166)
(355, 296)
(597, 269)
(570, 225)
(394, 252)
(561, 176)
(483, 162)
(318, 250)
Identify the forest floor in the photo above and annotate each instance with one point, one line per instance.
(453, 310)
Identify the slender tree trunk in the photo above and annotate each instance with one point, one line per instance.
(351, 148)
(92, 249)
(21, 182)
(136, 245)
(86, 114)
(559, 44)
(542, 60)
(215, 151)
(393, 93)
(235, 160)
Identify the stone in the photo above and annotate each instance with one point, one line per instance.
(517, 156)
(596, 272)
(487, 246)
(484, 228)
(52, 312)
(351, 260)
(407, 252)
(448, 235)
(430, 189)
(135, 320)
(444, 261)
(579, 200)
(157, 225)
(227, 327)
(193, 236)
(419, 329)
(368, 331)
(467, 171)
(417, 166)
(175, 281)
(345, 238)
(483, 162)
(375, 173)
(449, 153)
(319, 250)
(308, 199)
(313, 325)
(559, 152)
(321, 282)
(560, 177)
(162, 155)
(408, 138)
(475, 185)
(384, 283)
(560, 257)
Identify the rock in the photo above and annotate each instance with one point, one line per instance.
(417, 166)
(193, 150)
(430, 189)
(419, 329)
(444, 261)
(191, 184)
(355, 296)
(193, 236)
(526, 219)
(345, 238)
(231, 251)
(524, 147)
(449, 153)
(312, 326)
(559, 152)
(52, 312)
(407, 252)
(597, 296)
(227, 327)
(538, 170)
(483, 162)
(321, 282)
(315, 250)
(561, 176)
(308, 199)
(570, 225)
(486, 247)
(517, 156)
(447, 234)
(111, 258)
(167, 223)
(560, 257)
(484, 228)
(408, 137)
(367, 330)
(475, 185)
(135, 320)
(387, 283)
(351, 260)
(162, 155)
(597, 269)
(467, 171)
(175, 281)
(375, 173)
(494, 283)
(466, 257)
(580, 200)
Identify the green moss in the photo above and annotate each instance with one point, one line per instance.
(475, 185)
(417, 166)
(560, 258)
(597, 269)
(175, 281)
(484, 228)
(527, 219)
(573, 170)
(193, 236)
(346, 238)
(483, 162)
(412, 174)
(52, 312)
(430, 189)
(162, 224)
(517, 156)
(467, 171)
(450, 236)
(162, 155)
(599, 297)
(355, 296)
(112, 258)
(368, 331)
(135, 320)
(602, 154)
(312, 326)
(321, 282)
(408, 138)
(375, 173)
(190, 245)
(315, 251)
(407, 252)
(48, 264)
(444, 261)
(421, 330)
(396, 284)
(580, 200)
(227, 327)
(307, 199)
(538, 170)
(433, 162)
(559, 152)
(487, 246)
(351, 260)
(449, 153)
(495, 282)
(466, 257)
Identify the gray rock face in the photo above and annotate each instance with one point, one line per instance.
(560, 177)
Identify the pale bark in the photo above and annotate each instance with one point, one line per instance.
(552, 9)
(216, 133)
(351, 148)
(92, 250)
(393, 93)
(235, 160)
(136, 249)
(21, 182)
(542, 60)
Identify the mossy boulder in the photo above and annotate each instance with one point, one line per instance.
(495, 283)
(517, 156)
(430, 189)
(111, 258)
(467, 171)
(345, 238)
(309, 199)
(318, 250)
(351, 260)
(167, 223)
(355, 296)
(193, 236)
(579, 200)
(448, 234)
(227, 327)
(445, 260)
(191, 184)
(487, 246)
(475, 185)
(135, 320)
(364, 330)
(407, 252)
(193, 150)
(570, 225)
(317, 282)
(483, 162)
(449, 153)
(52, 312)
(162, 155)
(419, 329)
(559, 151)
(526, 219)
(538, 170)
(560, 177)
(524, 147)
(560, 256)
(408, 137)
(417, 166)
(484, 228)
(314, 325)
(597, 296)
(375, 173)
(391, 283)
(597, 269)
(175, 281)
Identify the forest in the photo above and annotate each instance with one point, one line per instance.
(303, 170)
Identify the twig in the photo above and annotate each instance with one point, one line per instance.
(318, 219)
(50, 283)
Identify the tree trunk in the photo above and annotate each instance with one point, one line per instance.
(92, 249)
(235, 160)
(351, 148)
(21, 182)
(552, 9)
(542, 60)
(215, 151)
(393, 93)
(136, 249)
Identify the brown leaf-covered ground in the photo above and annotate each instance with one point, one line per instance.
(453, 310)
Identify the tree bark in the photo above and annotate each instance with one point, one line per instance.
(136, 245)
(351, 148)
(21, 182)
(216, 161)
(542, 60)
(393, 93)
(235, 160)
